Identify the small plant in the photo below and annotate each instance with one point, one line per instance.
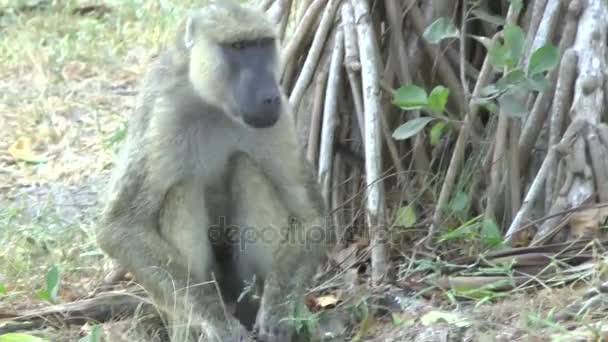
(51, 291)
(19, 337)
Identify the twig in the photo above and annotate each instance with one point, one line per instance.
(351, 61)
(561, 103)
(302, 31)
(535, 121)
(389, 76)
(514, 167)
(537, 15)
(313, 55)
(265, 5)
(497, 168)
(536, 186)
(463, 52)
(317, 111)
(302, 7)
(328, 130)
(370, 76)
(277, 10)
(284, 19)
(546, 27)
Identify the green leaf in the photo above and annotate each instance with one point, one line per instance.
(52, 283)
(490, 233)
(538, 83)
(3, 290)
(543, 59)
(517, 5)
(490, 90)
(18, 337)
(438, 98)
(406, 216)
(460, 202)
(485, 16)
(94, 336)
(514, 38)
(512, 103)
(43, 295)
(513, 78)
(410, 97)
(490, 107)
(437, 132)
(498, 55)
(441, 28)
(464, 231)
(411, 128)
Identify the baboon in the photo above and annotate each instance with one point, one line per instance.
(212, 185)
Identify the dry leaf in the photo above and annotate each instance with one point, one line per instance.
(325, 302)
(586, 223)
(22, 150)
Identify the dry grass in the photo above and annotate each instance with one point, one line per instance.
(67, 84)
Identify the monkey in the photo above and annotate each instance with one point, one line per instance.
(210, 155)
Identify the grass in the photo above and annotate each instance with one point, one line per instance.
(67, 85)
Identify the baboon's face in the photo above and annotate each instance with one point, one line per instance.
(253, 80)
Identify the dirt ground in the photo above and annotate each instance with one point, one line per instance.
(68, 78)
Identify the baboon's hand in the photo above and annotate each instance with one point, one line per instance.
(273, 326)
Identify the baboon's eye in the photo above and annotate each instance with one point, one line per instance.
(238, 45)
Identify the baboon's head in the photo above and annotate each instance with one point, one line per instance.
(233, 54)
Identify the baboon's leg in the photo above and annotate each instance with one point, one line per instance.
(261, 221)
(184, 224)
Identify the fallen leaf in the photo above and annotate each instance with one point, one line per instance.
(433, 317)
(586, 223)
(22, 150)
(326, 301)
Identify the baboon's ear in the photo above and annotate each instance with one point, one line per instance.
(189, 33)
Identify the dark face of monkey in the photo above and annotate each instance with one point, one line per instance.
(252, 73)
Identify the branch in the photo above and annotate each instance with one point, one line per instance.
(313, 55)
(329, 116)
(370, 76)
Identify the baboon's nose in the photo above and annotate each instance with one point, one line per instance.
(270, 104)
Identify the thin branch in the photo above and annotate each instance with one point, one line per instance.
(538, 182)
(561, 104)
(294, 44)
(373, 144)
(313, 55)
(317, 111)
(330, 110)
